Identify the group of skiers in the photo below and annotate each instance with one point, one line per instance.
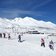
(9, 37)
(51, 44)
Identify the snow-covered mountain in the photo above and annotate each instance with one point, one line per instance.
(27, 22)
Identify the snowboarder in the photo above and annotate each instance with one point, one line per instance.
(51, 44)
(42, 42)
(19, 37)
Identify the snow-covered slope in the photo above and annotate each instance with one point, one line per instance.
(29, 47)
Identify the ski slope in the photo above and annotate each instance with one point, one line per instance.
(30, 46)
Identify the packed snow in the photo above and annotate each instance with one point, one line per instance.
(30, 46)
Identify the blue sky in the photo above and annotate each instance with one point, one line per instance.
(38, 9)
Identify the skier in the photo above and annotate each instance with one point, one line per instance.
(9, 36)
(51, 44)
(19, 37)
(4, 35)
(42, 42)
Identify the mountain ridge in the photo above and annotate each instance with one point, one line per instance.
(28, 21)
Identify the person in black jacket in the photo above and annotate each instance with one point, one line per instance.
(4, 35)
(19, 37)
(9, 36)
(51, 44)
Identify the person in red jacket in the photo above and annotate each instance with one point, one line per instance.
(42, 42)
